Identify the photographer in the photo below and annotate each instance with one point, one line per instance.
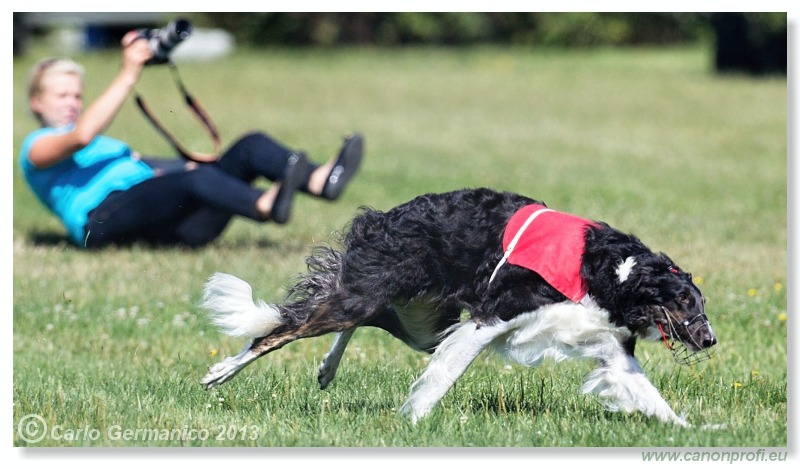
(105, 193)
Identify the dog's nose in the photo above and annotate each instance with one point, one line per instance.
(708, 340)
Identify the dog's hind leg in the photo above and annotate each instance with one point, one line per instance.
(232, 308)
(228, 368)
(230, 303)
(448, 363)
(330, 362)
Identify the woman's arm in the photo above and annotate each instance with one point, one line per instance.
(52, 149)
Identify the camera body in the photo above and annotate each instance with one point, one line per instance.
(163, 40)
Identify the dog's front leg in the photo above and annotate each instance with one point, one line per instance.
(448, 363)
(621, 383)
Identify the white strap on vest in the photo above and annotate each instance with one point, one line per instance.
(517, 236)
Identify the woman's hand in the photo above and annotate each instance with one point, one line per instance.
(135, 53)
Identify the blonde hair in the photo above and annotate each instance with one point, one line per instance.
(47, 67)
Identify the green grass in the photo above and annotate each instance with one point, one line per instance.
(648, 140)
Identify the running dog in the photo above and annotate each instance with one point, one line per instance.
(535, 284)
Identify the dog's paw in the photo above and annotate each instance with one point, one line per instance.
(221, 372)
(680, 421)
(325, 374)
(414, 414)
(407, 412)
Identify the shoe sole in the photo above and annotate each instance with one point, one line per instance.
(282, 208)
(346, 166)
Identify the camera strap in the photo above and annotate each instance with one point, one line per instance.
(199, 112)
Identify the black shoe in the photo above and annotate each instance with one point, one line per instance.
(345, 167)
(293, 177)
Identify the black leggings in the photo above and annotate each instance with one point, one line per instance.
(190, 207)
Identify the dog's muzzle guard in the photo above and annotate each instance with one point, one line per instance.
(681, 353)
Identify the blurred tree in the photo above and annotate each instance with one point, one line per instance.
(750, 42)
(462, 28)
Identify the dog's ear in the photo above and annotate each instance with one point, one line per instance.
(668, 265)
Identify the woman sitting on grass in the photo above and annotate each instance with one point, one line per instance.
(105, 193)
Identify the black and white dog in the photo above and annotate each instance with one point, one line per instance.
(535, 283)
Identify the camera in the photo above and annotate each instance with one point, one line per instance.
(163, 40)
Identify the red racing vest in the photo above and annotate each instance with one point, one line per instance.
(549, 243)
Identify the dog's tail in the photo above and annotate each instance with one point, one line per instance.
(229, 301)
(319, 286)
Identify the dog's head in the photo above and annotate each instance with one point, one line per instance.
(666, 304)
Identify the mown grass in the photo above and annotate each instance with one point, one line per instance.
(648, 140)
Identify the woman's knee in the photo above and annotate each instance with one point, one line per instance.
(199, 176)
(254, 138)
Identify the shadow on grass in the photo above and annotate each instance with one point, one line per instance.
(48, 238)
(54, 238)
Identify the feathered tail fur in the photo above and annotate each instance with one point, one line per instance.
(229, 301)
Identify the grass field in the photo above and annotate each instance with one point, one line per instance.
(109, 346)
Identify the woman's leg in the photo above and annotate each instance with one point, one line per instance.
(206, 223)
(191, 207)
(257, 154)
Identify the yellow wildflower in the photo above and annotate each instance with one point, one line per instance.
(698, 280)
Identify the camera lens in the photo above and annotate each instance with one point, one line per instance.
(163, 40)
(179, 30)
(172, 35)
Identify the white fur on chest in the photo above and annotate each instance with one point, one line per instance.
(559, 331)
